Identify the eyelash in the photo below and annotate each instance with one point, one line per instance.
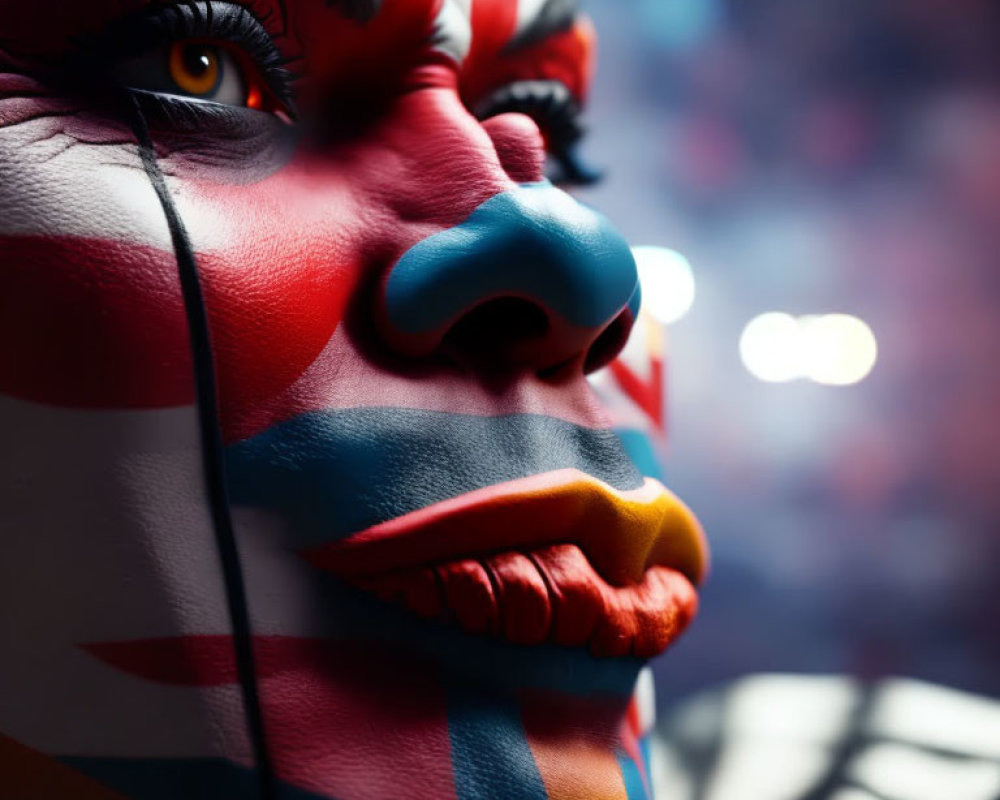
(548, 102)
(229, 25)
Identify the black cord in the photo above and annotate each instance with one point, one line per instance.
(212, 452)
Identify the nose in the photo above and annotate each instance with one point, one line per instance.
(531, 278)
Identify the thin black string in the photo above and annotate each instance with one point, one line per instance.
(212, 453)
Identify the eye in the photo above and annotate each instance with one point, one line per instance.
(208, 51)
(205, 71)
(557, 114)
(196, 69)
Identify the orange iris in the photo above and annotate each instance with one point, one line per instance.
(195, 67)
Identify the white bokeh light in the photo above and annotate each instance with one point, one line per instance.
(770, 346)
(897, 770)
(840, 349)
(830, 349)
(667, 283)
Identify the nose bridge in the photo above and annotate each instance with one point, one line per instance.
(532, 243)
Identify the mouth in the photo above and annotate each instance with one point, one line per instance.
(558, 558)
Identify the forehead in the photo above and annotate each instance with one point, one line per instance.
(48, 28)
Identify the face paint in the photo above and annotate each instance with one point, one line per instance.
(443, 561)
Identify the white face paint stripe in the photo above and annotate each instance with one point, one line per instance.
(453, 29)
(527, 11)
(107, 537)
(54, 185)
(645, 700)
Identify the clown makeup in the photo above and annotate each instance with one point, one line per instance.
(304, 491)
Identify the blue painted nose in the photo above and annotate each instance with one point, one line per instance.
(532, 276)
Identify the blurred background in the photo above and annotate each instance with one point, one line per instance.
(830, 157)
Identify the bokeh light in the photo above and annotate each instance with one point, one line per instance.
(668, 287)
(769, 348)
(829, 349)
(812, 158)
(839, 349)
(680, 24)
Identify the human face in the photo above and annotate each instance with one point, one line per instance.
(305, 485)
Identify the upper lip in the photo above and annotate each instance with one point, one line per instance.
(622, 532)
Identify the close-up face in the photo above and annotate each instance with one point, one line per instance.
(305, 490)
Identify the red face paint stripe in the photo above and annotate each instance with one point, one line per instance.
(180, 661)
(566, 57)
(270, 318)
(345, 718)
(79, 330)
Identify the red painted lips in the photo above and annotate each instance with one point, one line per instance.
(558, 557)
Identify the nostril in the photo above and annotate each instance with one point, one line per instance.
(530, 279)
(497, 330)
(609, 344)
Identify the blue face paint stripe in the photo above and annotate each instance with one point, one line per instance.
(334, 473)
(640, 451)
(646, 751)
(534, 242)
(635, 789)
(489, 751)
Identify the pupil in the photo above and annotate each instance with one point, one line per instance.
(197, 60)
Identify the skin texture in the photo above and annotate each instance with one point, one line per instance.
(450, 568)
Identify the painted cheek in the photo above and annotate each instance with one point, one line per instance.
(299, 242)
(93, 323)
(89, 323)
(272, 310)
(100, 324)
(285, 257)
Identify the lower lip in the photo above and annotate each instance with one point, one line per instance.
(552, 595)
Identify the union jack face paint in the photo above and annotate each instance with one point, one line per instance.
(304, 491)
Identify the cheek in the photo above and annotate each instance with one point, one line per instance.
(90, 309)
(97, 324)
(91, 323)
(285, 256)
(100, 322)
(273, 305)
(281, 259)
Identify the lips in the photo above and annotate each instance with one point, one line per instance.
(559, 557)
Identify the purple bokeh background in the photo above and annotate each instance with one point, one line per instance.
(829, 156)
